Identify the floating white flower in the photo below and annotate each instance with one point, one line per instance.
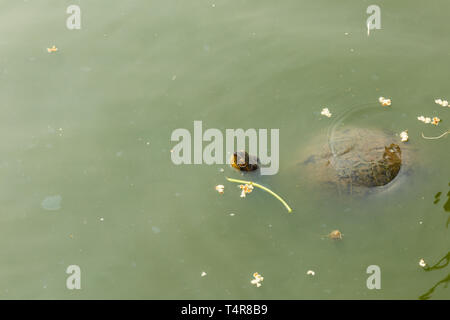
(435, 121)
(427, 119)
(257, 279)
(220, 188)
(325, 112)
(404, 136)
(247, 188)
(310, 273)
(384, 102)
(203, 274)
(422, 263)
(441, 102)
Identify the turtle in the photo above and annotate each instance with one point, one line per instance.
(356, 160)
(242, 161)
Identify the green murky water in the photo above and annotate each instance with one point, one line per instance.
(85, 172)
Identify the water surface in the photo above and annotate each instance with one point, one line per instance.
(86, 175)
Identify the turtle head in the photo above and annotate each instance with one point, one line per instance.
(242, 161)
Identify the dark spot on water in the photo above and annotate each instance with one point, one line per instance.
(437, 197)
(311, 159)
(447, 204)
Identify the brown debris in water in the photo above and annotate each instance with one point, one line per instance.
(335, 235)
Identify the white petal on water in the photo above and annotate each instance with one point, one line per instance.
(422, 263)
(156, 230)
(52, 203)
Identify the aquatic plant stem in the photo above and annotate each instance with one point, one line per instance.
(264, 188)
(438, 137)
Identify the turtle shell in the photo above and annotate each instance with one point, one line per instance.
(356, 160)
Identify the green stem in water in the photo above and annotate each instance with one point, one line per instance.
(438, 137)
(265, 189)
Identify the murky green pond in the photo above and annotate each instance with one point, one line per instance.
(86, 176)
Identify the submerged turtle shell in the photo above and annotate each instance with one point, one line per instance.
(356, 160)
